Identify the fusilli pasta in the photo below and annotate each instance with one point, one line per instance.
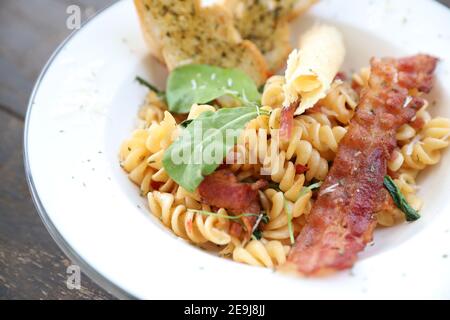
(340, 102)
(261, 253)
(289, 166)
(318, 130)
(187, 224)
(273, 95)
(275, 204)
(425, 148)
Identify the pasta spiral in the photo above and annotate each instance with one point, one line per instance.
(305, 154)
(189, 200)
(161, 135)
(406, 182)
(186, 224)
(273, 95)
(275, 204)
(133, 150)
(152, 110)
(396, 161)
(141, 155)
(261, 253)
(260, 145)
(133, 159)
(361, 78)
(425, 149)
(407, 132)
(389, 218)
(340, 102)
(318, 130)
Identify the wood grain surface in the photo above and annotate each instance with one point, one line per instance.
(31, 264)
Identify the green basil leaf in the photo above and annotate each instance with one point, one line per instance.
(257, 235)
(204, 143)
(400, 201)
(265, 218)
(151, 87)
(275, 186)
(196, 83)
(185, 123)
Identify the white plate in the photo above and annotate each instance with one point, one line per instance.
(85, 104)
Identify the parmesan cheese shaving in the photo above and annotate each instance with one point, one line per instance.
(312, 68)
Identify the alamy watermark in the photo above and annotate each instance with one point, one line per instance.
(249, 147)
(73, 21)
(73, 281)
(75, 16)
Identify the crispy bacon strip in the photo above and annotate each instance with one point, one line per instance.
(222, 190)
(342, 220)
(287, 121)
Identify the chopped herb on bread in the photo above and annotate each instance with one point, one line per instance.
(185, 32)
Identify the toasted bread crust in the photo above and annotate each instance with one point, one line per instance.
(266, 24)
(153, 44)
(300, 8)
(185, 32)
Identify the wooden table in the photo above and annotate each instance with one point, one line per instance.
(31, 265)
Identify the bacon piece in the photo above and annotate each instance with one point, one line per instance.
(385, 202)
(341, 76)
(357, 87)
(416, 72)
(223, 166)
(287, 121)
(156, 184)
(235, 229)
(316, 109)
(222, 189)
(342, 220)
(299, 169)
(418, 124)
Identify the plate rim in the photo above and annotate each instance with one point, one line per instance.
(95, 275)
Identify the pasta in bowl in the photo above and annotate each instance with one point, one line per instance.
(106, 227)
(266, 199)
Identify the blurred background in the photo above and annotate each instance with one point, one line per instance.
(31, 264)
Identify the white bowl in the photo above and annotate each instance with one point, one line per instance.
(85, 103)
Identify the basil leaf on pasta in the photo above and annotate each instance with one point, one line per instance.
(198, 83)
(400, 201)
(203, 144)
(185, 123)
(257, 235)
(151, 87)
